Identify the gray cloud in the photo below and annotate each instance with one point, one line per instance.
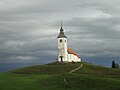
(28, 28)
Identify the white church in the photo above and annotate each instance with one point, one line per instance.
(66, 54)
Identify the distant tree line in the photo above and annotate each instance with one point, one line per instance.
(114, 65)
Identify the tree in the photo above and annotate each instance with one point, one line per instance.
(113, 64)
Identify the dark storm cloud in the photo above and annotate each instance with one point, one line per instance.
(99, 37)
(28, 28)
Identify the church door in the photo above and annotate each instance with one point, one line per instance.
(61, 58)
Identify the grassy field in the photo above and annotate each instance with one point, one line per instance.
(51, 77)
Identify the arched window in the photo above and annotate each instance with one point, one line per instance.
(60, 40)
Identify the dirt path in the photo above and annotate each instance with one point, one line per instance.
(67, 82)
(74, 70)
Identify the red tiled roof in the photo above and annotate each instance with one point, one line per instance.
(70, 51)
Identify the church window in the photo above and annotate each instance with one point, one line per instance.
(60, 40)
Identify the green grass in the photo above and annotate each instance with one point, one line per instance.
(56, 68)
(60, 68)
(51, 77)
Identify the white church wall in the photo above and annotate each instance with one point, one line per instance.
(76, 59)
(69, 57)
(72, 57)
(62, 49)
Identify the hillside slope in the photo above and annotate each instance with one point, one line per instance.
(59, 68)
(56, 82)
(56, 76)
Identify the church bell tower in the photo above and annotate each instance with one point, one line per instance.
(62, 46)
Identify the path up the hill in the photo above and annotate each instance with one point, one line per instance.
(74, 70)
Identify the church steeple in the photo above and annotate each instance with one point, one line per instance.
(62, 45)
(61, 34)
(61, 29)
(65, 54)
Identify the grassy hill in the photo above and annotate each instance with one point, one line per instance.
(60, 68)
(51, 77)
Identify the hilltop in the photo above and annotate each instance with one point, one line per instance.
(60, 68)
(57, 76)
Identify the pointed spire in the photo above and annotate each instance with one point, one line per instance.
(61, 34)
(61, 23)
(61, 29)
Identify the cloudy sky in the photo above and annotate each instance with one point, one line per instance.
(28, 29)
